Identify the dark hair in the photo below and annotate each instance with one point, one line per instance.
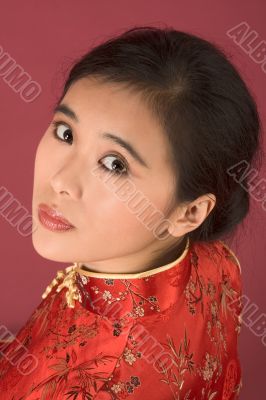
(203, 106)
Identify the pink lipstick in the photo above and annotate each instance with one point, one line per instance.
(52, 219)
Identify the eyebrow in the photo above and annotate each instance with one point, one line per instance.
(63, 108)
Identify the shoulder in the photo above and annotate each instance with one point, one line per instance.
(229, 254)
(229, 271)
(220, 272)
(231, 285)
(216, 259)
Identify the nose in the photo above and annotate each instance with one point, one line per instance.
(66, 182)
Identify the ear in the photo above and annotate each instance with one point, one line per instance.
(188, 217)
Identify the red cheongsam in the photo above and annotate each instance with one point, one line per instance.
(167, 333)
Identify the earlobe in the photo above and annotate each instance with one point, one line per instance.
(182, 226)
(178, 224)
(176, 229)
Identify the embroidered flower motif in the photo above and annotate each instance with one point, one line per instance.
(190, 295)
(84, 279)
(153, 298)
(96, 290)
(107, 295)
(123, 389)
(139, 311)
(129, 356)
(117, 330)
(109, 281)
(117, 387)
(209, 367)
(135, 380)
(192, 287)
(211, 289)
(129, 387)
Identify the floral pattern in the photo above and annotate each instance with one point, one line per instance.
(170, 334)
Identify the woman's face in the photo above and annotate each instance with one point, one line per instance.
(70, 176)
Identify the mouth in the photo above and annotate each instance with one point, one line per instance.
(52, 219)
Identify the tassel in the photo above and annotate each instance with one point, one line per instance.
(69, 278)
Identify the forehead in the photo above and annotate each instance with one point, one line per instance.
(114, 107)
(112, 100)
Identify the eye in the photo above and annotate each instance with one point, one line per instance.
(115, 165)
(62, 132)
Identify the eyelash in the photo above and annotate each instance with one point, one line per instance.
(56, 124)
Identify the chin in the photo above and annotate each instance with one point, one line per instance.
(49, 252)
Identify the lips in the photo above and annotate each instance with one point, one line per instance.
(52, 218)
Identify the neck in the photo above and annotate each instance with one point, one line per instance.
(171, 254)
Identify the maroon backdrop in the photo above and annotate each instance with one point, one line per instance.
(41, 38)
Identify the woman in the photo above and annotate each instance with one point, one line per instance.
(136, 186)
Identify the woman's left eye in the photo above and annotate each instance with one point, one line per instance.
(114, 165)
(62, 132)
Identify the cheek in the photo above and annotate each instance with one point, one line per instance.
(123, 209)
(110, 210)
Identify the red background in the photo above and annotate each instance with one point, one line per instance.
(42, 37)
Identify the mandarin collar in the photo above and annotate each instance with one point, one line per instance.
(129, 296)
